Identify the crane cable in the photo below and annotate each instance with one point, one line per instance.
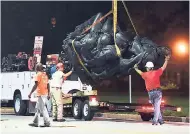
(129, 16)
(133, 26)
(80, 61)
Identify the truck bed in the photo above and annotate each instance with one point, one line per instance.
(130, 107)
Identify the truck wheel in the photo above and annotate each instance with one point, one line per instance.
(77, 109)
(20, 106)
(88, 114)
(146, 116)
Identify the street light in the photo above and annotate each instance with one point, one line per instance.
(181, 48)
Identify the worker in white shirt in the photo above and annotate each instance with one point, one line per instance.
(56, 90)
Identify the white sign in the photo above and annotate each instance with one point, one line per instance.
(38, 43)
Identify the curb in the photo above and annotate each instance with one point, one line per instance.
(119, 116)
(138, 117)
(6, 110)
(177, 119)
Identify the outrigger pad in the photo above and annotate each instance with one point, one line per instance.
(96, 49)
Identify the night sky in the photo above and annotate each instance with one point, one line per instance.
(163, 22)
(22, 21)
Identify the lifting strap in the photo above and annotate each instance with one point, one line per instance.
(114, 8)
(80, 61)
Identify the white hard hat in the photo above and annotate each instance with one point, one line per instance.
(44, 66)
(149, 64)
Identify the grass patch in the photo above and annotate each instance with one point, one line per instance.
(173, 113)
(179, 101)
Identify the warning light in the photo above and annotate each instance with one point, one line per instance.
(178, 109)
(147, 108)
(93, 98)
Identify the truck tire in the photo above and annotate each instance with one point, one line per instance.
(146, 116)
(87, 113)
(20, 106)
(77, 109)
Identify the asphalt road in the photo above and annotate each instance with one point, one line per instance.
(11, 124)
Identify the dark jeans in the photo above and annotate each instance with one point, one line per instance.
(155, 97)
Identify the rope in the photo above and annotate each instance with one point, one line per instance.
(96, 22)
(80, 61)
(129, 16)
(114, 8)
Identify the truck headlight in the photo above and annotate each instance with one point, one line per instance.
(84, 88)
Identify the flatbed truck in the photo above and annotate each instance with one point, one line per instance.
(15, 87)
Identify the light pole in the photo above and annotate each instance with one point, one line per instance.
(130, 89)
(181, 51)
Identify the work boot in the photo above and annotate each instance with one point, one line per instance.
(47, 124)
(34, 124)
(154, 123)
(61, 120)
(161, 122)
(54, 119)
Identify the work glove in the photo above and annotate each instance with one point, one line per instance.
(167, 58)
(135, 66)
(72, 69)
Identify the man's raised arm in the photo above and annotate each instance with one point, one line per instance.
(137, 70)
(165, 63)
(69, 73)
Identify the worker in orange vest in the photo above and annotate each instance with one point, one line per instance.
(43, 93)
